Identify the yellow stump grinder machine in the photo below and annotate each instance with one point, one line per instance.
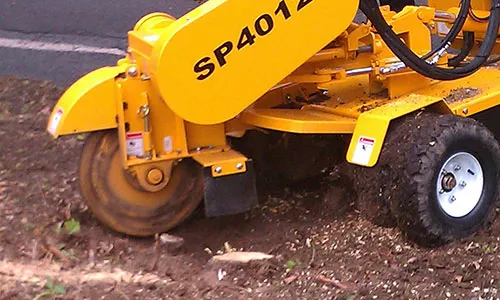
(409, 99)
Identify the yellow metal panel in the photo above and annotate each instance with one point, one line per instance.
(88, 105)
(475, 93)
(472, 25)
(223, 163)
(398, 84)
(371, 127)
(298, 121)
(446, 4)
(203, 136)
(227, 54)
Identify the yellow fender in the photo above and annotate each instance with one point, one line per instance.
(372, 126)
(87, 105)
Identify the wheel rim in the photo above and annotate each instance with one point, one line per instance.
(460, 184)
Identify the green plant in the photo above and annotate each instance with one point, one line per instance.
(51, 289)
(292, 264)
(71, 226)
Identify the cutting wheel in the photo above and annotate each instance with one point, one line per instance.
(115, 195)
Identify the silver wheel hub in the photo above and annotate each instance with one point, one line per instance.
(460, 184)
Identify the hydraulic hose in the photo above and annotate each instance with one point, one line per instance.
(372, 11)
(419, 65)
(467, 46)
(454, 31)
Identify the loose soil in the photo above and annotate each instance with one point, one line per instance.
(461, 94)
(322, 250)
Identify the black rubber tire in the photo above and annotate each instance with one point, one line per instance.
(373, 188)
(418, 146)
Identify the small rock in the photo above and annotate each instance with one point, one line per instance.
(221, 274)
(172, 243)
(239, 257)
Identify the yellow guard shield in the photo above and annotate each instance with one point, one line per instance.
(218, 59)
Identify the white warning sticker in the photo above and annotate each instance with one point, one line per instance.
(363, 151)
(54, 122)
(135, 144)
(167, 144)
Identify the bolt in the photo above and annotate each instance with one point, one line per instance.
(463, 184)
(218, 170)
(458, 168)
(154, 176)
(465, 111)
(453, 198)
(441, 191)
(444, 173)
(239, 166)
(132, 71)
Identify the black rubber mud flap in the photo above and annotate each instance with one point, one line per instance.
(231, 194)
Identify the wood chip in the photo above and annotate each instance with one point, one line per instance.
(412, 260)
(290, 279)
(335, 283)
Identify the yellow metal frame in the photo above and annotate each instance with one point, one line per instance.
(446, 4)
(324, 78)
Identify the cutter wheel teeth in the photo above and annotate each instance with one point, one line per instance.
(116, 198)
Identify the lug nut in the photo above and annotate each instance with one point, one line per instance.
(458, 168)
(441, 191)
(463, 184)
(453, 198)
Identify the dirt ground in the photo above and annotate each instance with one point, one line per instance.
(320, 252)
